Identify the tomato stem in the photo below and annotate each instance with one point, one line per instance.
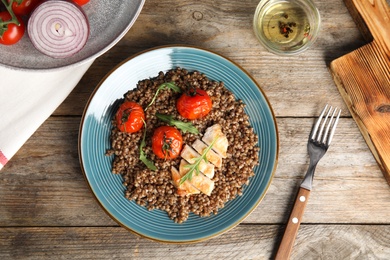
(14, 19)
(166, 147)
(191, 90)
(125, 117)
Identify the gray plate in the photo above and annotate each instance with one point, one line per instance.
(109, 21)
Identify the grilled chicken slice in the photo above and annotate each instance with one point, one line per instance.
(186, 188)
(189, 154)
(199, 181)
(211, 156)
(221, 145)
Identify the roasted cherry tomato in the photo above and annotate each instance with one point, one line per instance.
(130, 117)
(25, 7)
(81, 2)
(194, 104)
(13, 32)
(167, 142)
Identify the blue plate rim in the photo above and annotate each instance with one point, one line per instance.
(202, 50)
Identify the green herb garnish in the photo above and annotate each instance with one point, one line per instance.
(194, 167)
(183, 126)
(142, 155)
(167, 85)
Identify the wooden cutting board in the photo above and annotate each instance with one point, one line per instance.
(363, 78)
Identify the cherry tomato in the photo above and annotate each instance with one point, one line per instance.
(14, 32)
(195, 104)
(130, 117)
(81, 2)
(167, 142)
(26, 7)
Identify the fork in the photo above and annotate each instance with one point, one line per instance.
(318, 143)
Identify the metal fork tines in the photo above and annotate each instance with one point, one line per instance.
(319, 140)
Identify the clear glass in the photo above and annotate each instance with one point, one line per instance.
(286, 27)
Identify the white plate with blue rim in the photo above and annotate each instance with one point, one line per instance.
(94, 140)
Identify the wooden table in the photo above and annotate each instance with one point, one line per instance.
(48, 212)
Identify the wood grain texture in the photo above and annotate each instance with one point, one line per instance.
(43, 184)
(376, 15)
(48, 212)
(295, 85)
(360, 23)
(243, 242)
(292, 226)
(363, 79)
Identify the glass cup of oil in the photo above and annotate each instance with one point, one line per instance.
(286, 27)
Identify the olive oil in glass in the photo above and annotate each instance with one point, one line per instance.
(285, 26)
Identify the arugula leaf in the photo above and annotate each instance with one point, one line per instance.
(195, 166)
(185, 127)
(142, 155)
(166, 85)
(3, 23)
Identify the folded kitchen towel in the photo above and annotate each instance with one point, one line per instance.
(27, 99)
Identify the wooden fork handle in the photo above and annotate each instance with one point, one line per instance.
(293, 224)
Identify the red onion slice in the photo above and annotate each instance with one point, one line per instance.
(58, 29)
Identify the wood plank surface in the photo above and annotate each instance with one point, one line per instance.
(295, 85)
(244, 242)
(363, 79)
(376, 15)
(48, 212)
(43, 184)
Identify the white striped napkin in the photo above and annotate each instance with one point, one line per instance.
(27, 99)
